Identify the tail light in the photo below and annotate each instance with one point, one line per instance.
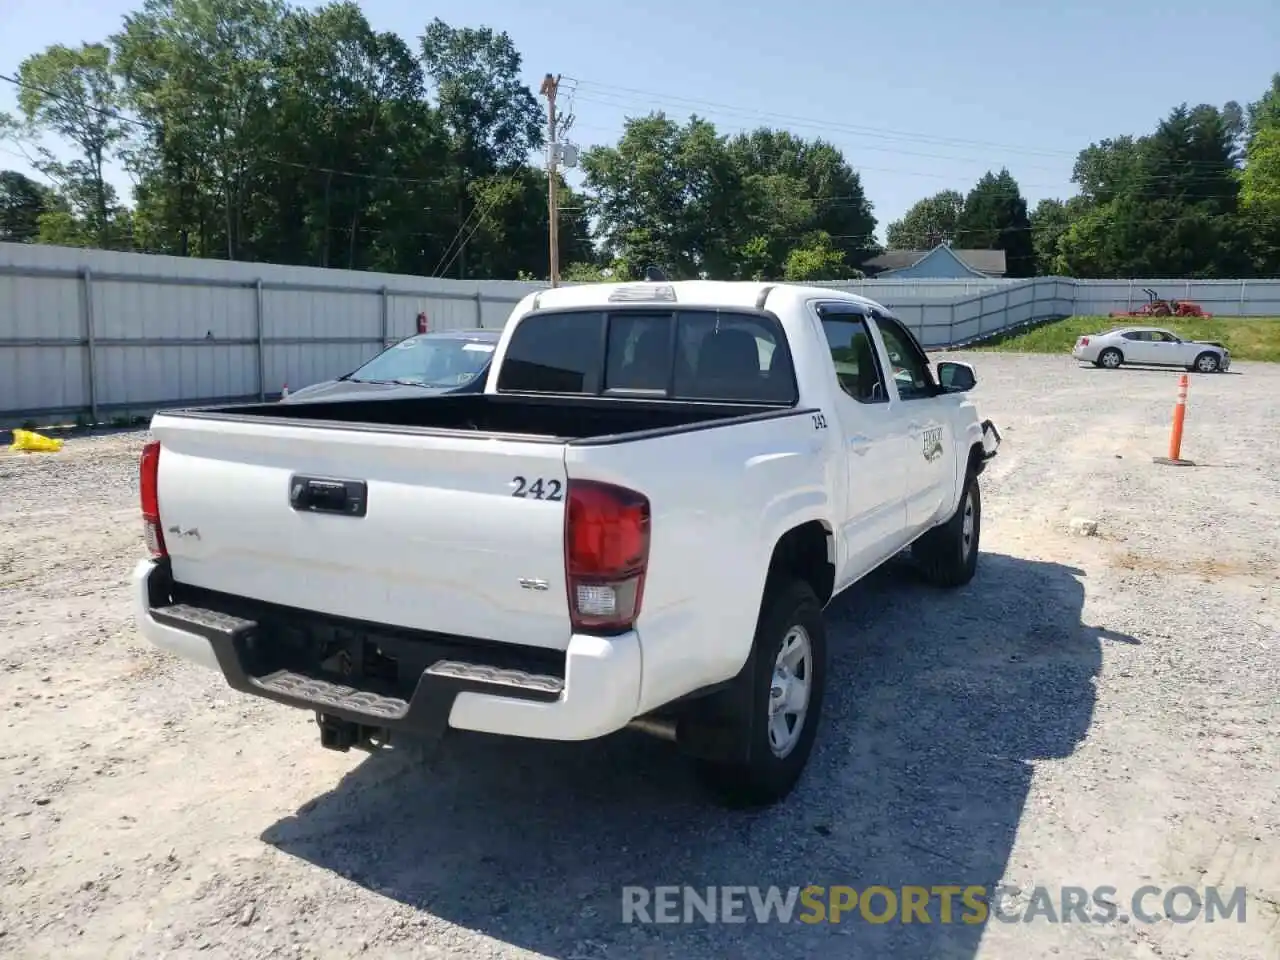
(1084, 341)
(606, 555)
(148, 486)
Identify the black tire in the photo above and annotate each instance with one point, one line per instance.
(946, 555)
(765, 777)
(1110, 359)
(1207, 362)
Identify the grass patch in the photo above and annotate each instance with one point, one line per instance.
(1248, 338)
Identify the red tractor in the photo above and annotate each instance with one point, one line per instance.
(1155, 307)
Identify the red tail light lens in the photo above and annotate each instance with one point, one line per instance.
(1084, 341)
(606, 555)
(148, 486)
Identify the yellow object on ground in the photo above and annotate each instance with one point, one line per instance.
(24, 441)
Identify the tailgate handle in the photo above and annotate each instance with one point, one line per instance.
(320, 495)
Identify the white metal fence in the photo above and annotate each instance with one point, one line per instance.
(1225, 298)
(92, 334)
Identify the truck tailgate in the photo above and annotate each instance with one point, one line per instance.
(441, 543)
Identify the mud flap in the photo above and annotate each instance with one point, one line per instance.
(720, 726)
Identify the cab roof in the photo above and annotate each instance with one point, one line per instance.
(692, 293)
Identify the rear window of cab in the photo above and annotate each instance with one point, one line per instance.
(682, 354)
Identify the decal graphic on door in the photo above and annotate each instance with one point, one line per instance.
(932, 447)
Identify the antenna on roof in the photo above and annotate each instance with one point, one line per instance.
(654, 274)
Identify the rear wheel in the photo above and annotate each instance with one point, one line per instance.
(785, 700)
(1110, 358)
(948, 555)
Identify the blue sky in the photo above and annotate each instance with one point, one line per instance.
(920, 96)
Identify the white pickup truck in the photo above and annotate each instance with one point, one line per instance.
(636, 524)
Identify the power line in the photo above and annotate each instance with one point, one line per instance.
(933, 174)
(645, 97)
(828, 126)
(871, 237)
(831, 202)
(897, 151)
(435, 181)
(614, 90)
(484, 215)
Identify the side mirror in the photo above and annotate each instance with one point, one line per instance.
(956, 377)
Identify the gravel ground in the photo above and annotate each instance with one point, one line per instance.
(1090, 710)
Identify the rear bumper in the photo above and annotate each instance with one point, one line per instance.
(595, 692)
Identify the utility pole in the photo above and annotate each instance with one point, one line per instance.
(550, 86)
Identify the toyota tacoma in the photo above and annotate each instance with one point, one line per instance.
(637, 523)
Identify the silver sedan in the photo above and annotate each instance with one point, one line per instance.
(1151, 345)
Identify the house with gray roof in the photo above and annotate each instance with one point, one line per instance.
(940, 263)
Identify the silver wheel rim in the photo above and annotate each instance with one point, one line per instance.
(1206, 364)
(1109, 359)
(966, 526)
(789, 691)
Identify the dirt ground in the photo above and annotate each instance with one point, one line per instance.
(1091, 710)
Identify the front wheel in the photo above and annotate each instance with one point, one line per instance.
(785, 699)
(1207, 362)
(948, 555)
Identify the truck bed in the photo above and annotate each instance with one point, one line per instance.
(558, 418)
(424, 514)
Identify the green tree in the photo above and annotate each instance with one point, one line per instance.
(929, 222)
(60, 226)
(1109, 169)
(1049, 221)
(197, 74)
(71, 93)
(817, 259)
(513, 225)
(583, 272)
(995, 218)
(701, 204)
(492, 117)
(1260, 183)
(361, 150)
(22, 201)
(1265, 111)
(1161, 205)
(794, 187)
(646, 190)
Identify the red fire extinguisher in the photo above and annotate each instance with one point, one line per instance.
(422, 322)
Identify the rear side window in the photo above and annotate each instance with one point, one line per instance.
(854, 356)
(553, 353)
(676, 354)
(727, 356)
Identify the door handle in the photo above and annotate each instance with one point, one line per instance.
(321, 495)
(860, 444)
